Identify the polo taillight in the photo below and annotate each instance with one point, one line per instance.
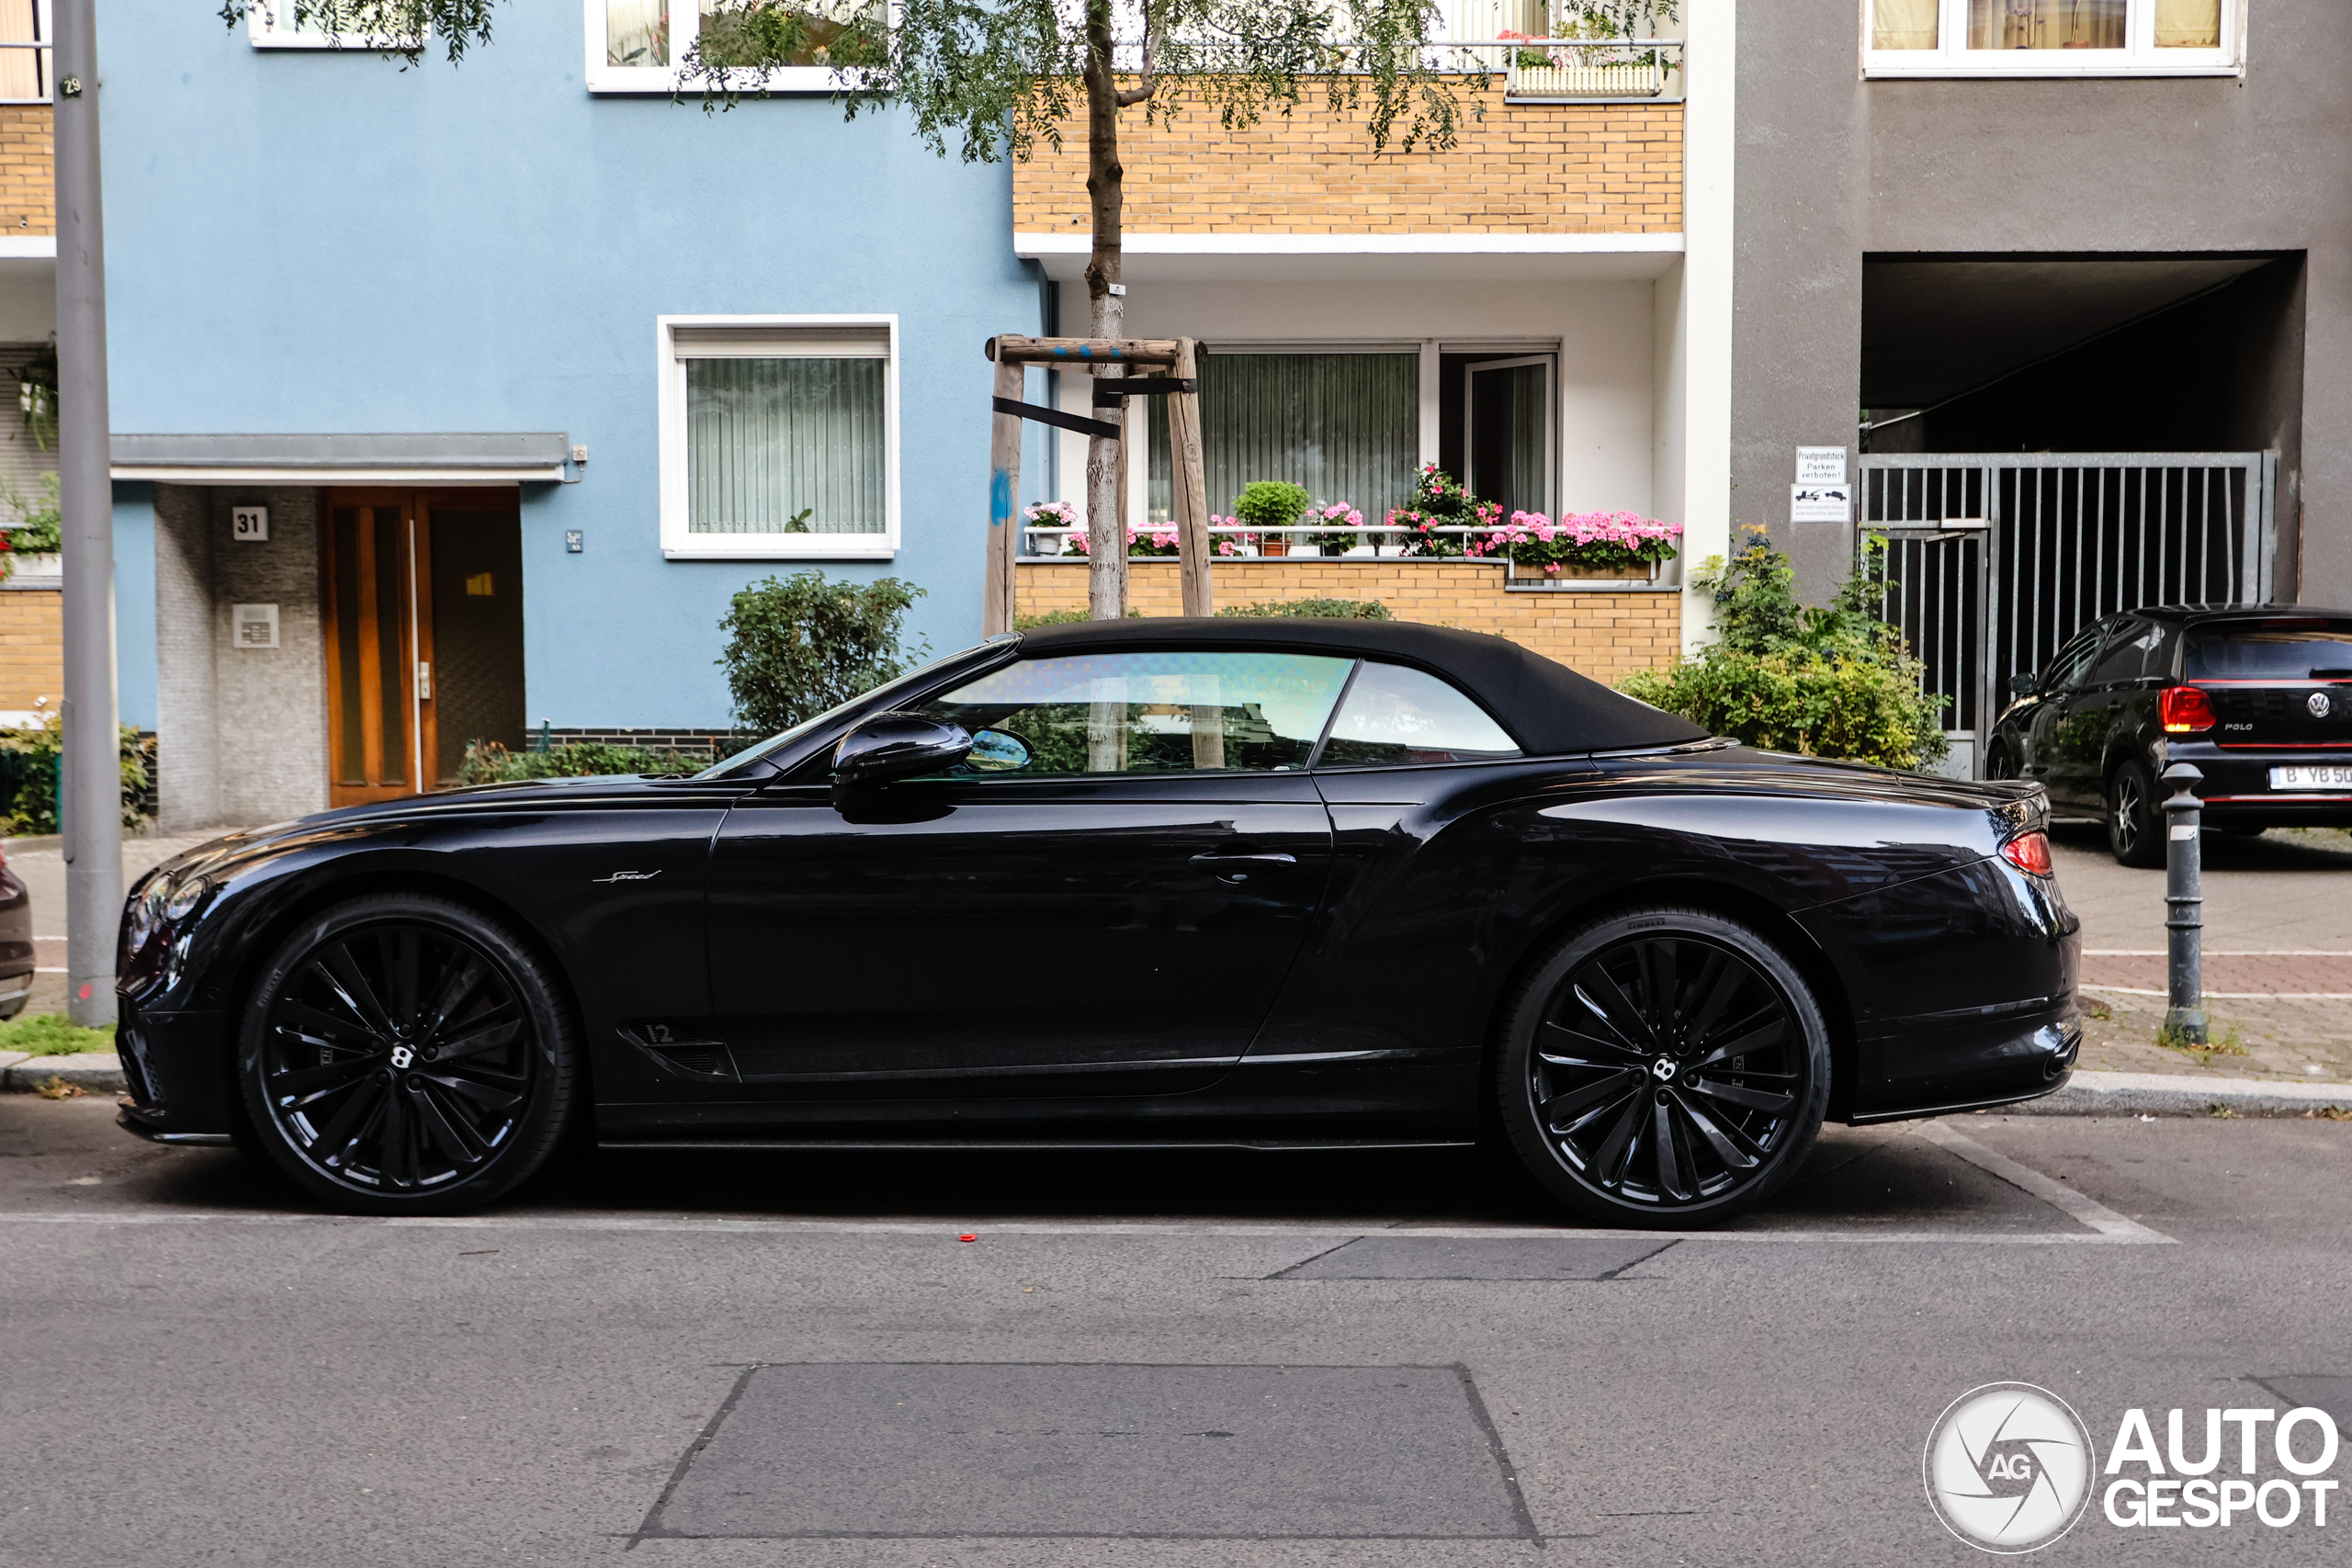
(2029, 852)
(2185, 709)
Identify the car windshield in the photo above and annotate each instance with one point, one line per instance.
(2271, 650)
(877, 698)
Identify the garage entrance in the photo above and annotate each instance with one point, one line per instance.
(1999, 557)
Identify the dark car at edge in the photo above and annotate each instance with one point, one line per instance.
(2258, 698)
(1208, 883)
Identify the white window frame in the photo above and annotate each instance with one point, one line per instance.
(269, 24)
(686, 26)
(677, 542)
(2140, 58)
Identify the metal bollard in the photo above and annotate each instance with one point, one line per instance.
(2184, 908)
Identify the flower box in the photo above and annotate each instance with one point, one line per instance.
(1633, 79)
(1562, 575)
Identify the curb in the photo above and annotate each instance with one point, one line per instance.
(93, 1072)
(2171, 1094)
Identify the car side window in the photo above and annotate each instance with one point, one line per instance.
(2066, 669)
(1178, 711)
(2126, 658)
(1395, 716)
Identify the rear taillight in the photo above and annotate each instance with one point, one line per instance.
(2029, 852)
(2186, 710)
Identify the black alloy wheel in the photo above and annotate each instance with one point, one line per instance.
(405, 1055)
(2134, 820)
(2000, 764)
(1664, 1067)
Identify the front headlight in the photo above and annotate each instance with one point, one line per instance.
(186, 899)
(146, 916)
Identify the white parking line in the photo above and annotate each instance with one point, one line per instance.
(2105, 1221)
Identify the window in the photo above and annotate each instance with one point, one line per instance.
(24, 73)
(1346, 425)
(1395, 717)
(636, 46)
(2068, 666)
(2274, 651)
(2126, 658)
(779, 437)
(2052, 38)
(273, 23)
(1146, 713)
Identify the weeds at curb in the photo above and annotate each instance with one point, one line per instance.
(55, 1087)
(2221, 1112)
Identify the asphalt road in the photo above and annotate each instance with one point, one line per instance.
(1152, 1359)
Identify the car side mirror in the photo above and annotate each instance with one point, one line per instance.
(2021, 685)
(896, 745)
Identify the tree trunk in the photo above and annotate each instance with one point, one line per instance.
(1106, 528)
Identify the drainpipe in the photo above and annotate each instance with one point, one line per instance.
(90, 792)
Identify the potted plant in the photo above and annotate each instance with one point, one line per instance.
(1440, 500)
(1589, 547)
(1343, 540)
(1271, 503)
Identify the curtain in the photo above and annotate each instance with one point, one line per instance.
(20, 69)
(2046, 24)
(1345, 426)
(2188, 23)
(767, 439)
(1903, 24)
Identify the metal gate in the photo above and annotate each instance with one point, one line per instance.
(1999, 557)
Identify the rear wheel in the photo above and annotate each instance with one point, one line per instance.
(1999, 764)
(1665, 1067)
(404, 1054)
(2135, 823)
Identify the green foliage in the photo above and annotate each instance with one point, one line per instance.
(487, 762)
(1440, 500)
(400, 28)
(997, 76)
(41, 527)
(1826, 681)
(1059, 619)
(30, 765)
(801, 645)
(1327, 609)
(1270, 503)
(53, 1034)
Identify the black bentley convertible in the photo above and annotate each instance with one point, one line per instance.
(1205, 883)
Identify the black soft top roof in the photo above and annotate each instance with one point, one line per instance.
(1547, 707)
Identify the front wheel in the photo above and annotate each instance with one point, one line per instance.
(1664, 1067)
(404, 1054)
(2135, 824)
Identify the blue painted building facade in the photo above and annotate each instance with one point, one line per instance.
(438, 284)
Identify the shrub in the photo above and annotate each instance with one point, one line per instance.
(486, 762)
(1270, 503)
(1059, 619)
(52, 1034)
(799, 645)
(1329, 609)
(29, 773)
(1827, 681)
(41, 526)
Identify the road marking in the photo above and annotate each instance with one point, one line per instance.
(947, 1230)
(2074, 1205)
(2234, 996)
(2216, 953)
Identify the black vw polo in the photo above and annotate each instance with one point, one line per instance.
(2258, 697)
(1209, 882)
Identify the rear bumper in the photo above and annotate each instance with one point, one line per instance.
(2236, 786)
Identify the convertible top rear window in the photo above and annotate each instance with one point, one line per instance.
(2298, 649)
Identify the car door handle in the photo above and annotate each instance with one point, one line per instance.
(1237, 867)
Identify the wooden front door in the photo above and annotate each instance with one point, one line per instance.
(384, 701)
(372, 634)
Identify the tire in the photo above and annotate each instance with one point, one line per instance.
(1610, 1041)
(2135, 829)
(403, 1053)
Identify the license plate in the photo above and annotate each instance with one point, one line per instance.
(2311, 778)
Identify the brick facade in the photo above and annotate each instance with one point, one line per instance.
(1601, 634)
(28, 170)
(1522, 168)
(32, 649)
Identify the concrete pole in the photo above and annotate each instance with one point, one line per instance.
(90, 787)
(2184, 909)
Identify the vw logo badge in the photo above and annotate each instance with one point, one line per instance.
(402, 1056)
(2318, 704)
(2008, 1467)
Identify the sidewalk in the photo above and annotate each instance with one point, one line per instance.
(2278, 958)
